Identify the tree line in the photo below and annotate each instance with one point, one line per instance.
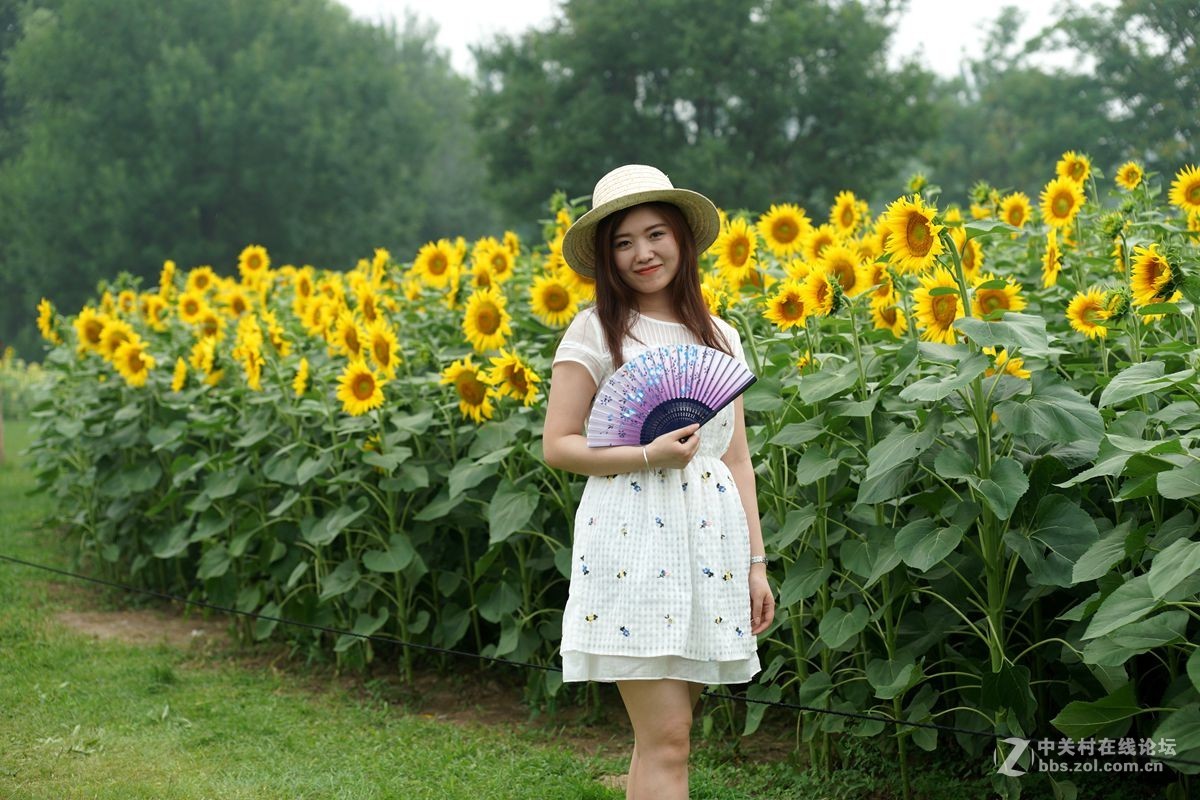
(133, 131)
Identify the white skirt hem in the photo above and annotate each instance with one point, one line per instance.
(607, 668)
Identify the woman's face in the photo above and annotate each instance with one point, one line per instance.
(645, 251)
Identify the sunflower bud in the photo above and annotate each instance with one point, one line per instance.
(1112, 224)
(1128, 205)
(917, 182)
(980, 192)
(1116, 303)
(839, 297)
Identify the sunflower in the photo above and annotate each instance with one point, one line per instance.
(179, 378)
(988, 301)
(203, 356)
(783, 228)
(842, 261)
(498, 259)
(513, 243)
(1051, 260)
(317, 316)
(253, 262)
(485, 323)
(1129, 176)
(1086, 311)
(820, 293)
(368, 303)
(1002, 363)
(735, 248)
(302, 283)
(914, 244)
(936, 312)
(876, 274)
(88, 327)
(234, 298)
(359, 389)
(1185, 190)
(116, 332)
(133, 362)
(166, 279)
(552, 300)
(434, 263)
(513, 378)
(210, 324)
(383, 346)
(127, 301)
(347, 338)
(200, 280)
(1074, 166)
(786, 307)
(300, 382)
(1061, 200)
(845, 215)
(889, 316)
(252, 364)
(817, 240)
(1150, 277)
(716, 296)
(275, 331)
(190, 306)
(1015, 209)
(45, 322)
(953, 217)
(474, 395)
(154, 311)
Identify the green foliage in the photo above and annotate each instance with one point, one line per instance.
(754, 103)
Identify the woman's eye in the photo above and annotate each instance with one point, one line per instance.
(621, 244)
(655, 234)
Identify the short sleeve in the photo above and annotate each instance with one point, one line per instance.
(581, 343)
(732, 338)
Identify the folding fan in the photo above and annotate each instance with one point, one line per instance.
(662, 390)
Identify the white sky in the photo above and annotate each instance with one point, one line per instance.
(923, 30)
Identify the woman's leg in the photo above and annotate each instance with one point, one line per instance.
(661, 713)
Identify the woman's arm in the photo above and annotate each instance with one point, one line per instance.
(737, 458)
(564, 447)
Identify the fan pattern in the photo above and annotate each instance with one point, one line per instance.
(662, 390)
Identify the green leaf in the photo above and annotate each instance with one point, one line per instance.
(163, 438)
(825, 384)
(1004, 487)
(327, 528)
(497, 600)
(891, 677)
(1139, 379)
(366, 624)
(935, 387)
(437, 508)
(387, 461)
(942, 291)
(797, 433)
(1159, 308)
(1180, 483)
(312, 467)
(984, 227)
(900, 446)
(287, 502)
(467, 474)
(173, 542)
(1085, 719)
(264, 627)
(344, 578)
(415, 424)
(398, 555)
(1101, 556)
(1055, 412)
(142, 477)
(1130, 601)
(804, 577)
(798, 521)
(1174, 564)
(772, 693)
(210, 524)
(814, 465)
(815, 690)
(953, 463)
(1114, 649)
(1183, 726)
(214, 563)
(922, 544)
(839, 626)
(510, 510)
(1193, 668)
(1013, 331)
(1007, 689)
(282, 467)
(296, 574)
(872, 557)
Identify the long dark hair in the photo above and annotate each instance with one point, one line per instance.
(615, 299)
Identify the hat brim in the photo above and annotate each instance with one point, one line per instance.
(579, 242)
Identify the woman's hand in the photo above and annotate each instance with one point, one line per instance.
(762, 602)
(668, 451)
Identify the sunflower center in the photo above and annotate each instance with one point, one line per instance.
(991, 299)
(238, 306)
(383, 351)
(888, 315)
(820, 245)
(845, 275)
(945, 307)
(202, 282)
(847, 216)
(470, 389)
(740, 251)
(792, 308)
(368, 308)
(784, 231)
(968, 258)
(1062, 205)
(135, 362)
(92, 332)
(304, 289)
(352, 343)
(191, 307)
(917, 234)
(487, 319)
(1016, 215)
(209, 326)
(556, 298)
(363, 386)
(1193, 194)
(500, 263)
(254, 261)
(1089, 312)
(1077, 170)
(516, 377)
(438, 264)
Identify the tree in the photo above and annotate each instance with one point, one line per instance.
(186, 129)
(752, 102)
(1147, 59)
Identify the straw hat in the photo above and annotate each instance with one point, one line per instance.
(628, 186)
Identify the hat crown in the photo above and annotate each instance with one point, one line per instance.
(627, 180)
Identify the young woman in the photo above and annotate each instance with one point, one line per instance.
(668, 584)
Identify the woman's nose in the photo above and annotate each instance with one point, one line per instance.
(641, 250)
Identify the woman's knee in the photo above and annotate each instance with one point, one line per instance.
(667, 738)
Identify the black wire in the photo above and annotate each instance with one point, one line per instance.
(391, 640)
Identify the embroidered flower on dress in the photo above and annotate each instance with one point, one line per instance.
(635, 486)
(591, 618)
(708, 572)
(624, 631)
(728, 576)
(621, 574)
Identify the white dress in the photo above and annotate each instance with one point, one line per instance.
(661, 558)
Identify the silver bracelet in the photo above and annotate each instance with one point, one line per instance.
(759, 560)
(645, 457)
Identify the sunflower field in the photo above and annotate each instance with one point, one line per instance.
(975, 433)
